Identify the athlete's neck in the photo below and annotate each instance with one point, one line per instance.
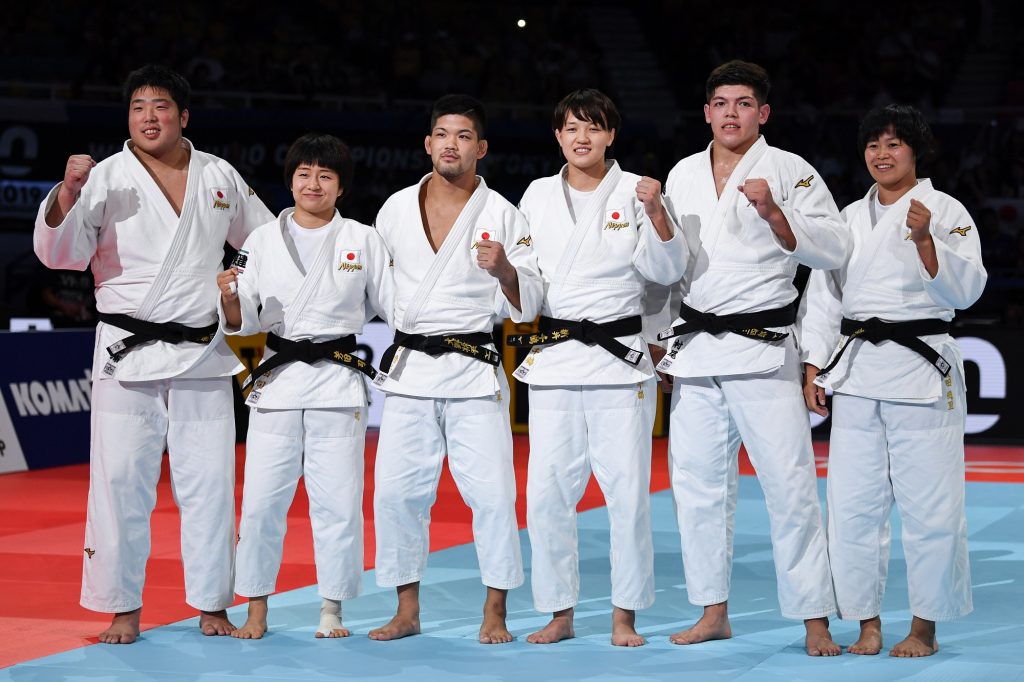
(586, 179)
(722, 155)
(890, 194)
(456, 189)
(310, 220)
(175, 158)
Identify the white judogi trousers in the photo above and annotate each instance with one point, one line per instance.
(325, 446)
(415, 436)
(710, 417)
(132, 423)
(883, 451)
(575, 430)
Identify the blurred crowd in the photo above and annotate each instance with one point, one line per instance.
(830, 62)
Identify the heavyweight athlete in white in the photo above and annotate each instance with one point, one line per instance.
(897, 418)
(462, 261)
(750, 214)
(151, 221)
(599, 235)
(312, 277)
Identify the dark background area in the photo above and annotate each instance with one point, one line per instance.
(368, 73)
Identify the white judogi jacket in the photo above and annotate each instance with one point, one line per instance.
(348, 283)
(738, 264)
(595, 266)
(448, 293)
(150, 263)
(885, 278)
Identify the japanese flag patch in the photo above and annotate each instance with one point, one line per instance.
(482, 234)
(615, 219)
(350, 260)
(220, 198)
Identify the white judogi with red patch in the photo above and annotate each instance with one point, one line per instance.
(729, 387)
(589, 410)
(308, 419)
(450, 404)
(155, 265)
(897, 423)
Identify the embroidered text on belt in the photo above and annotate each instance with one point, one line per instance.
(603, 334)
(340, 351)
(905, 334)
(143, 331)
(470, 345)
(750, 325)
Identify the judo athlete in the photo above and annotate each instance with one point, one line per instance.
(310, 279)
(751, 214)
(151, 221)
(599, 234)
(898, 412)
(462, 261)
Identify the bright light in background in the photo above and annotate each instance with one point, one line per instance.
(521, 23)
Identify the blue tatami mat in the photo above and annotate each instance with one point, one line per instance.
(988, 645)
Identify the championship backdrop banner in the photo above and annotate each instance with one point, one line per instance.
(45, 391)
(44, 415)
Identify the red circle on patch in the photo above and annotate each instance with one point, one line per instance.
(485, 235)
(220, 195)
(351, 256)
(615, 215)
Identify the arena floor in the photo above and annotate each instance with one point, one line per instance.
(44, 635)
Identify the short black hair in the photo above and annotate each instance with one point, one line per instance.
(738, 72)
(325, 151)
(587, 104)
(460, 105)
(905, 122)
(161, 78)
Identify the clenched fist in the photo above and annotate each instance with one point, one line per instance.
(759, 194)
(227, 282)
(648, 191)
(919, 218)
(490, 256)
(76, 173)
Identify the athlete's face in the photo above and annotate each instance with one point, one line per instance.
(735, 117)
(890, 161)
(154, 121)
(315, 190)
(583, 143)
(454, 146)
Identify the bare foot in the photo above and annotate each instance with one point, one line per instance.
(255, 625)
(402, 625)
(920, 642)
(558, 629)
(819, 640)
(407, 619)
(714, 624)
(215, 623)
(494, 630)
(870, 641)
(623, 628)
(124, 628)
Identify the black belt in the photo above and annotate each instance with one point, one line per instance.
(340, 351)
(470, 345)
(143, 332)
(750, 325)
(552, 331)
(903, 333)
